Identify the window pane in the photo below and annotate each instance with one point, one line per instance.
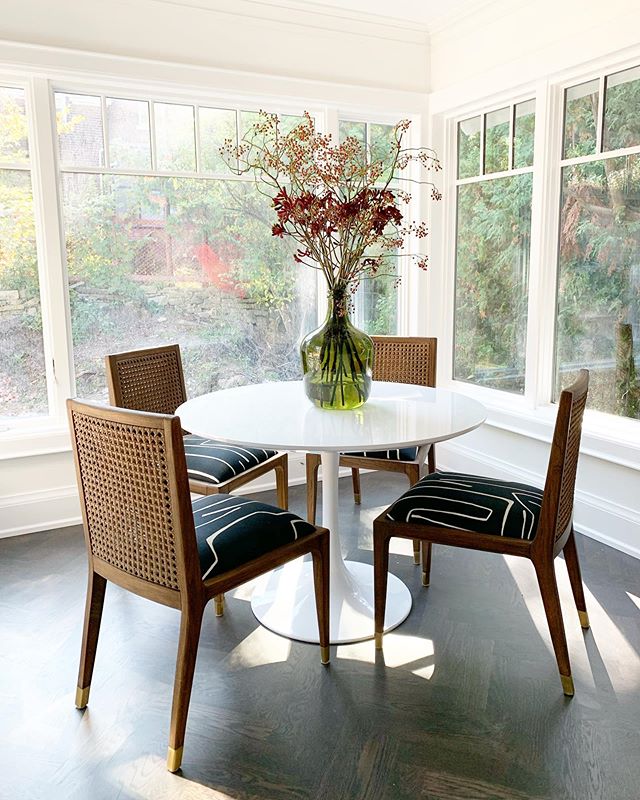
(469, 147)
(492, 271)
(216, 125)
(128, 133)
(23, 389)
(175, 137)
(622, 110)
(382, 143)
(376, 304)
(580, 115)
(357, 130)
(496, 141)
(599, 282)
(524, 134)
(79, 121)
(155, 260)
(289, 122)
(14, 146)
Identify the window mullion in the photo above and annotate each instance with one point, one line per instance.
(51, 250)
(542, 302)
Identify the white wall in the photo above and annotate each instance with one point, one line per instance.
(506, 42)
(238, 35)
(501, 46)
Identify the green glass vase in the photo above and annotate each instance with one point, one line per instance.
(337, 359)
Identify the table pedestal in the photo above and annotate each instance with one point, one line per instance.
(284, 600)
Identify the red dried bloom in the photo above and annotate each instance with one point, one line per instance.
(338, 202)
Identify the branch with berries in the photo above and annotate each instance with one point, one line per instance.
(341, 203)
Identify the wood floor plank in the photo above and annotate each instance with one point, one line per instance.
(464, 702)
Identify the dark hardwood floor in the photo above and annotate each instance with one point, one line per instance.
(466, 702)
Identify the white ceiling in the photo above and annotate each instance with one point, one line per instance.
(426, 13)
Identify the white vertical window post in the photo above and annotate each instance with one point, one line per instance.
(414, 318)
(542, 304)
(51, 248)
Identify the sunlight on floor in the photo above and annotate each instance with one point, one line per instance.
(259, 648)
(245, 591)
(619, 658)
(151, 771)
(634, 598)
(399, 651)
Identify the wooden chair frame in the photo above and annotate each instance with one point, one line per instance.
(555, 533)
(384, 369)
(192, 593)
(118, 396)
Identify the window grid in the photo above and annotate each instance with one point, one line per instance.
(486, 178)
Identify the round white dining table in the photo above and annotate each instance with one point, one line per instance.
(279, 416)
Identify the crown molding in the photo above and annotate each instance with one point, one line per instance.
(464, 15)
(298, 13)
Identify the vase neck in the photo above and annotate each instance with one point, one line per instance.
(338, 305)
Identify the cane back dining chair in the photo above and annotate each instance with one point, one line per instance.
(398, 359)
(153, 380)
(500, 517)
(143, 533)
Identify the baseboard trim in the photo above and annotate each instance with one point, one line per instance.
(48, 509)
(41, 510)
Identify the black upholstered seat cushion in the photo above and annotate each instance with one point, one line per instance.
(472, 503)
(398, 454)
(213, 462)
(232, 531)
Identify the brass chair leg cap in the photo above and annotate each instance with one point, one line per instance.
(174, 759)
(416, 558)
(567, 685)
(357, 499)
(584, 619)
(324, 655)
(378, 638)
(82, 697)
(425, 580)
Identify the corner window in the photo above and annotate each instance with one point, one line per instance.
(494, 189)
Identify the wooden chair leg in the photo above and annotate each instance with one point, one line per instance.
(190, 624)
(573, 568)
(413, 473)
(94, 604)
(321, 584)
(380, 576)
(551, 599)
(426, 563)
(282, 482)
(312, 464)
(219, 601)
(355, 478)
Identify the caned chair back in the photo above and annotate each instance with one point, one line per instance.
(405, 359)
(147, 380)
(134, 495)
(557, 504)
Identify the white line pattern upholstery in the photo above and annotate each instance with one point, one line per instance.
(471, 503)
(213, 462)
(398, 454)
(232, 531)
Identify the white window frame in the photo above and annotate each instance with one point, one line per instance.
(31, 436)
(605, 436)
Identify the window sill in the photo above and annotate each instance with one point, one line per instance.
(609, 438)
(36, 440)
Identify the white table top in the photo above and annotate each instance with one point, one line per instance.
(279, 416)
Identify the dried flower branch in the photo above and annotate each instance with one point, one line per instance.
(340, 203)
